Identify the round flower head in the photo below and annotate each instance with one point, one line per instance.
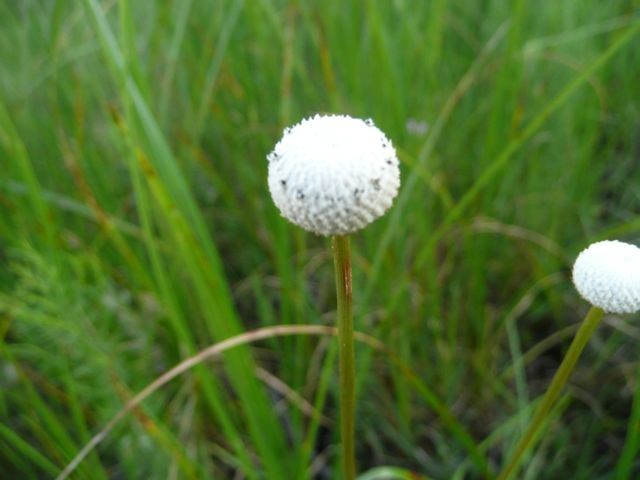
(333, 175)
(607, 274)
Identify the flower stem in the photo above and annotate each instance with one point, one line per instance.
(590, 323)
(342, 262)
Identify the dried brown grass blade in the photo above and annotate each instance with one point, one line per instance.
(209, 352)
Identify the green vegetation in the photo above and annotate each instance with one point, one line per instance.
(137, 229)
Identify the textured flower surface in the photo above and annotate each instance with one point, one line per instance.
(333, 174)
(607, 274)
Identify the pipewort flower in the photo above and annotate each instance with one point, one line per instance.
(333, 175)
(607, 275)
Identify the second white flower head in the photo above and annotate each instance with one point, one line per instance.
(607, 274)
(333, 175)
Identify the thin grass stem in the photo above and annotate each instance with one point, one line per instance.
(588, 326)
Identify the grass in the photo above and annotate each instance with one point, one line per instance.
(137, 230)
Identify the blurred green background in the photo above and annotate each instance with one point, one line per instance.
(136, 228)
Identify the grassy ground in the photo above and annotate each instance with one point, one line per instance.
(137, 229)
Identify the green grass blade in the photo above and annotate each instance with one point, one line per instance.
(22, 447)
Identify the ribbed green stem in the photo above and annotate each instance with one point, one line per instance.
(342, 262)
(590, 323)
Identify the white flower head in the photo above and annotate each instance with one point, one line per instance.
(607, 274)
(333, 174)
